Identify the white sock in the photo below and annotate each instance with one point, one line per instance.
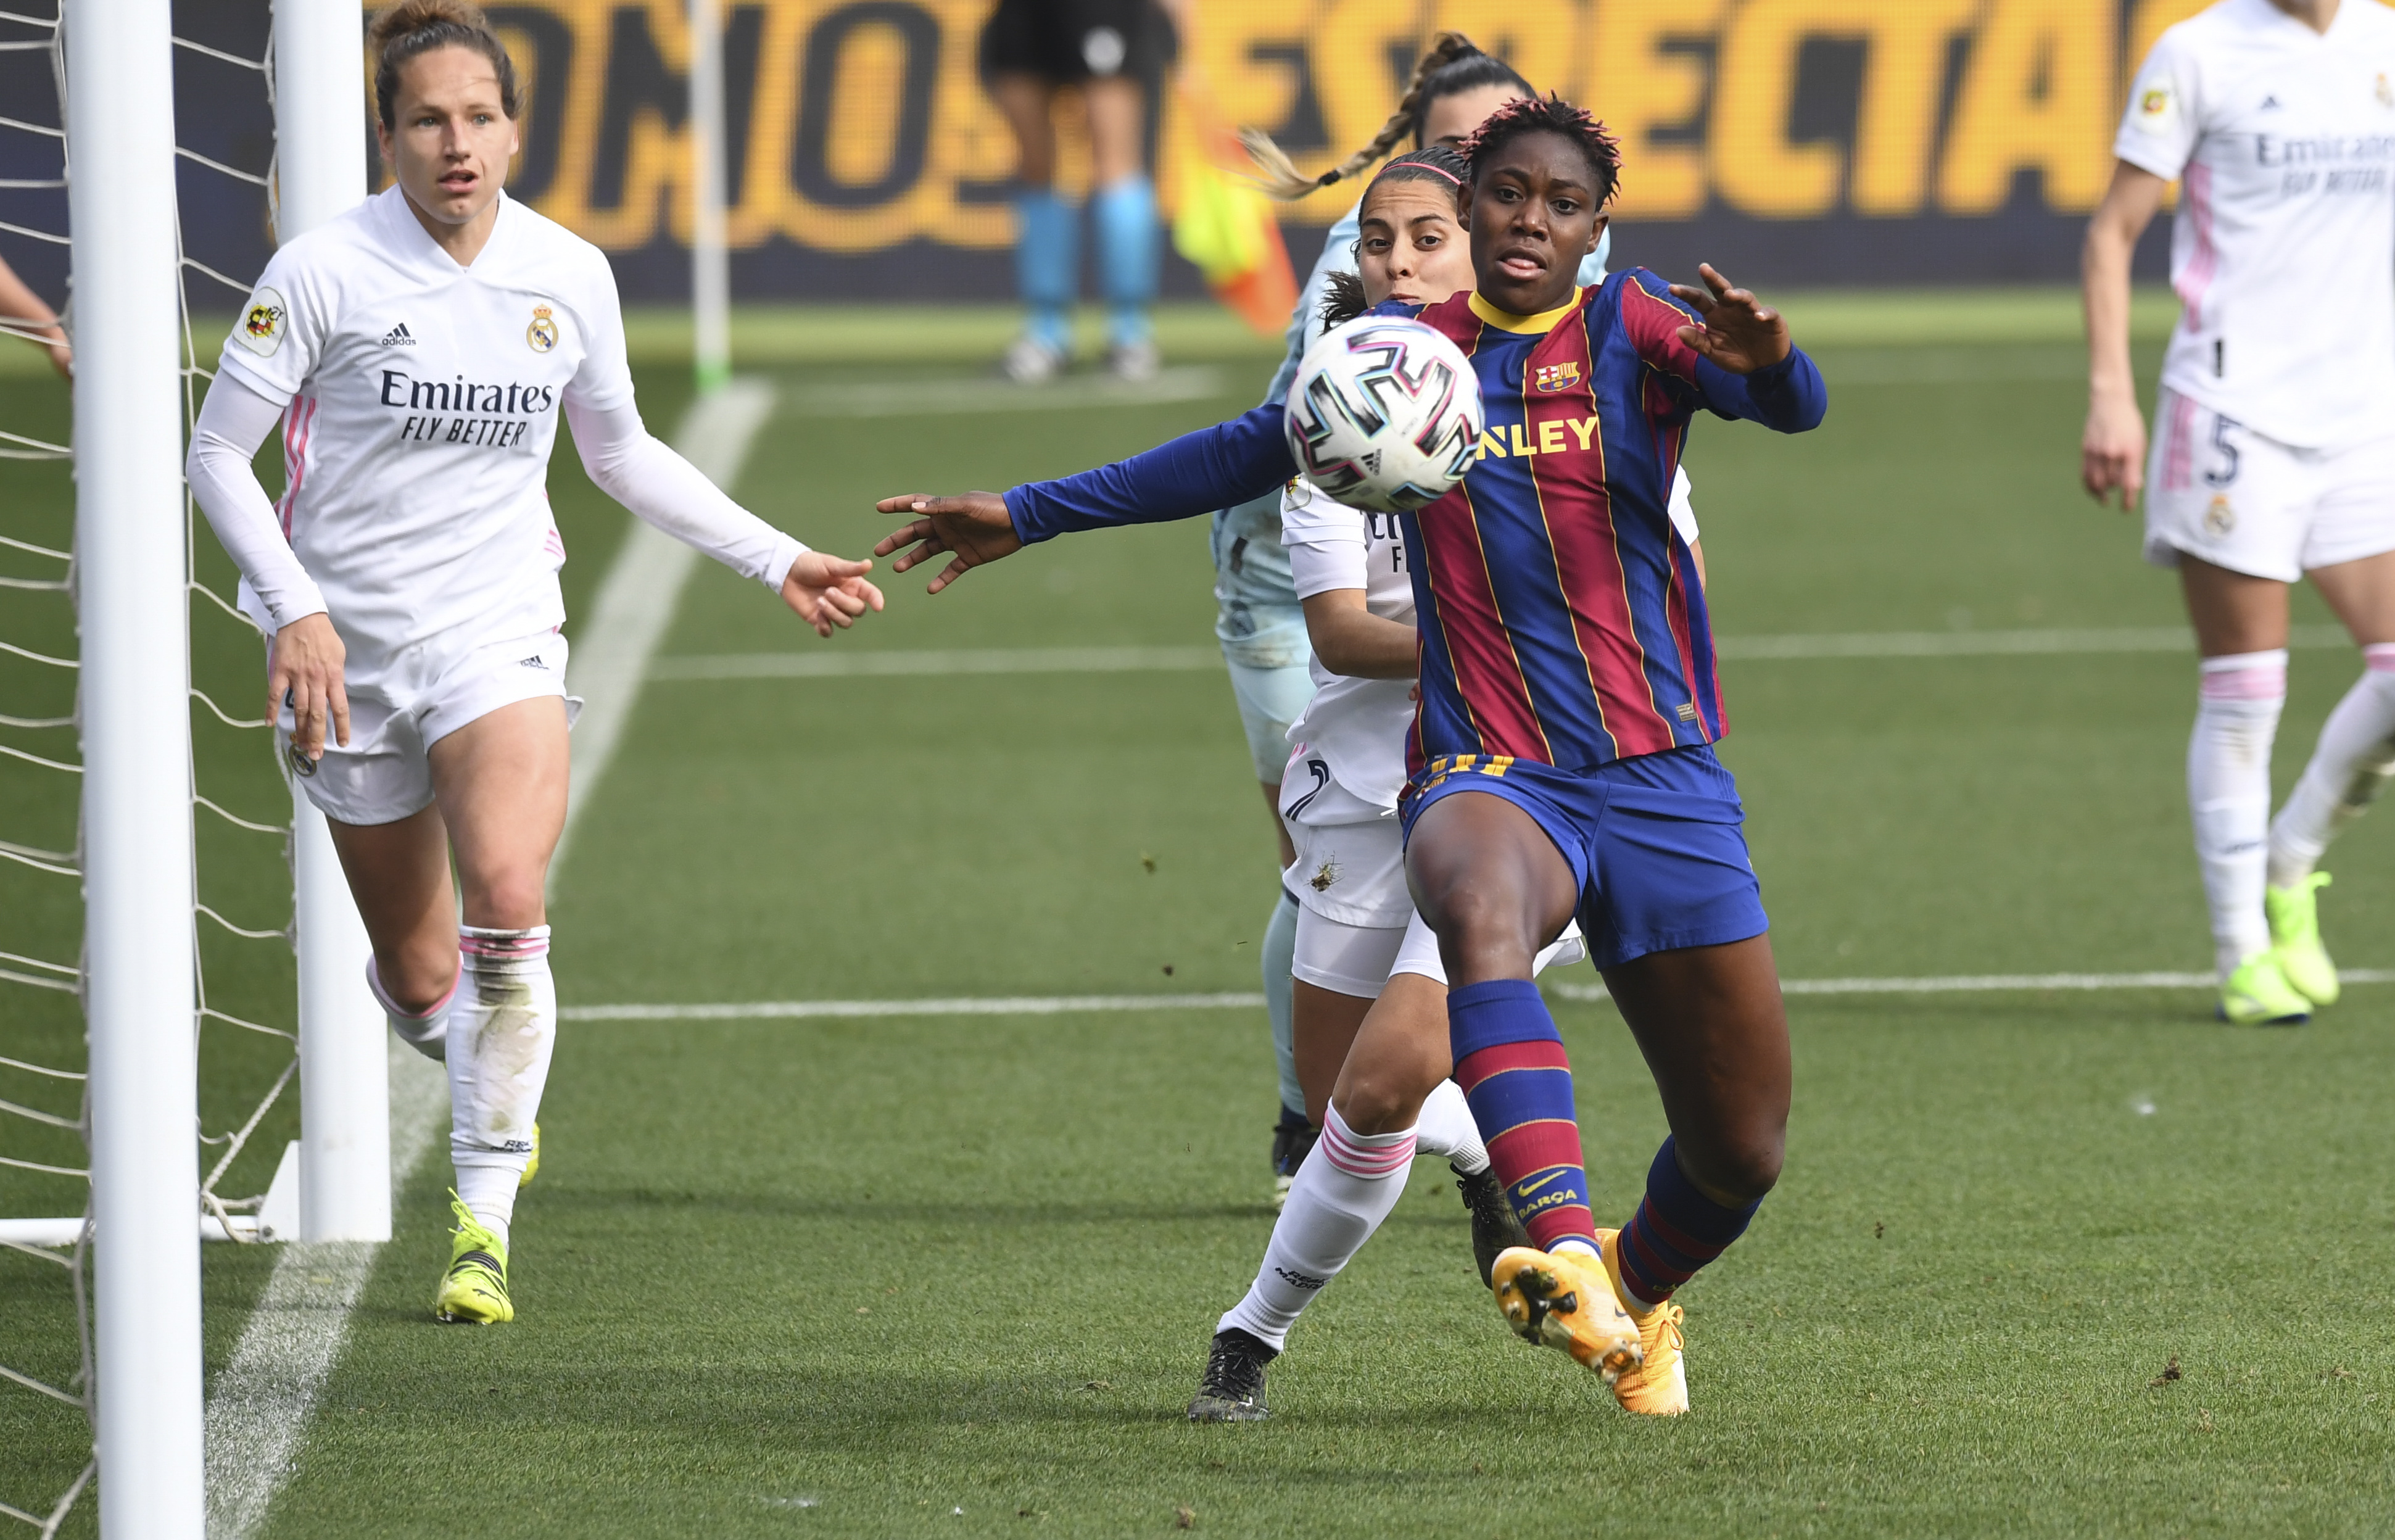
(502, 1028)
(428, 1033)
(1447, 1129)
(489, 1194)
(2355, 756)
(2229, 790)
(1342, 1193)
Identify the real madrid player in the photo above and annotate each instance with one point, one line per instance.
(1257, 618)
(417, 350)
(1563, 761)
(2273, 453)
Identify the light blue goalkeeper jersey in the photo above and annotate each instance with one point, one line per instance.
(1254, 594)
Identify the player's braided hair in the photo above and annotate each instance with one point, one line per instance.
(1550, 114)
(1342, 298)
(1451, 66)
(407, 28)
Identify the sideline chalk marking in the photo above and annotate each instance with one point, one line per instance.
(787, 1010)
(859, 663)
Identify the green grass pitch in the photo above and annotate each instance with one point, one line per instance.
(956, 1276)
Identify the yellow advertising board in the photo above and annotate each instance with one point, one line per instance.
(858, 128)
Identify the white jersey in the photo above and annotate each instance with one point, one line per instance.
(423, 401)
(2283, 249)
(1355, 726)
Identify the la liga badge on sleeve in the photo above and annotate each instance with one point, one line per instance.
(261, 328)
(542, 334)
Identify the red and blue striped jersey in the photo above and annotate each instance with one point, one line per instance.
(1562, 620)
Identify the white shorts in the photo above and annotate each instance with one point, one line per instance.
(1351, 854)
(403, 706)
(1359, 959)
(2220, 492)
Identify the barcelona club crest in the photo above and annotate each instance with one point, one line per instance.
(1555, 378)
(261, 325)
(542, 334)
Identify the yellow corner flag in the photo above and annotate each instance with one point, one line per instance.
(1224, 226)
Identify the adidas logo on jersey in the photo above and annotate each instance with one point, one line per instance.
(535, 661)
(397, 337)
(2270, 104)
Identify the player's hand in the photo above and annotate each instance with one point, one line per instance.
(1740, 333)
(305, 670)
(2112, 451)
(827, 591)
(974, 528)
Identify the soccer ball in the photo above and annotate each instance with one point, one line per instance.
(1384, 414)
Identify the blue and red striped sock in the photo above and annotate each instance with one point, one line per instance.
(1676, 1231)
(1509, 1058)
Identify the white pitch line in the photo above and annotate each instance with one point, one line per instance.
(859, 663)
(886, 663)
(259, 1406)
(636, 600)
(941, 397)
(787, 1010)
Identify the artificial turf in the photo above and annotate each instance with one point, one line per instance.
(855, 1277)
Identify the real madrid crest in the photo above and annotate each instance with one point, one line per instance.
(2219, 518)
(542, 334)
(2386, 92)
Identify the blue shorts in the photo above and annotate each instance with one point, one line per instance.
(1654, 843)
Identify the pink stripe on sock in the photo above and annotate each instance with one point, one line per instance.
(2380, 657)
(1368, 1160)
(2263, 681)
(504, 947)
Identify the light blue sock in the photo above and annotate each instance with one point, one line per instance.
(1047, 262)
(1279, 952)
(1127, 236)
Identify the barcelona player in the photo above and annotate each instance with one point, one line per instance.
(1563, 753)
(1257, 616)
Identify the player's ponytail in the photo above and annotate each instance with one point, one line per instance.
(402, 31)
(1452, 65)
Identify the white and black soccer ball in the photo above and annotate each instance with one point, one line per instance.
(1384, 414)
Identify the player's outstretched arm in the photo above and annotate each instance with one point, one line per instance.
(973, 529)
(1746, 365)
(643, 473)
(1195, 474)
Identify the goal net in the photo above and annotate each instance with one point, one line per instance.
(243, 981)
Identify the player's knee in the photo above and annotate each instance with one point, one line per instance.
(1478, 929)
(504, 900)
(420, 979)
(1743, 1168)
(1380, 1099)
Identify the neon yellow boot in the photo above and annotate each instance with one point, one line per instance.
(2295, 938)
(2257, 995)
(475, 1287)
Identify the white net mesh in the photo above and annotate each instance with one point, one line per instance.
(241, 809)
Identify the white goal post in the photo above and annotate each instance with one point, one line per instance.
(138, 881)
(344, 1075)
